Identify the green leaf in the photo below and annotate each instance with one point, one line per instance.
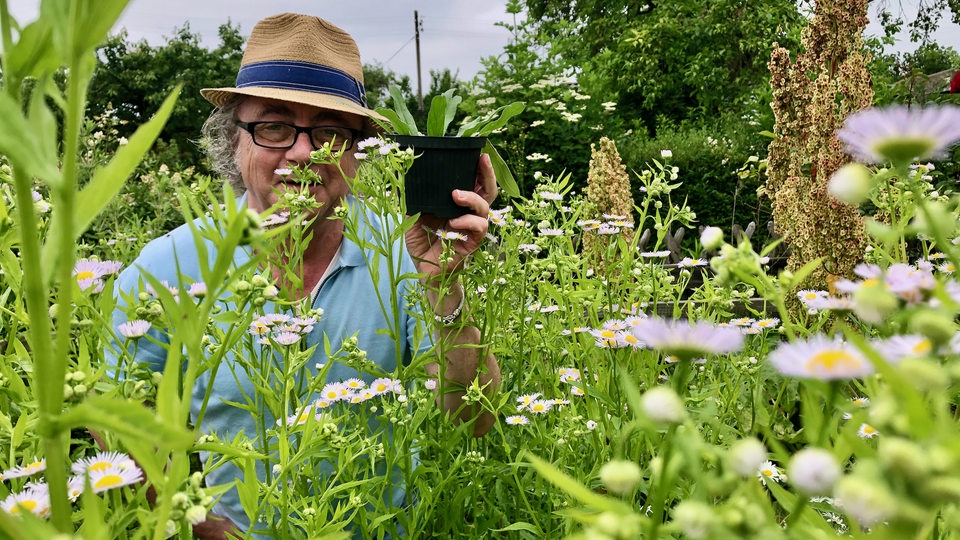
(404, 118)
(86, 23)
(93, 511)
(396, 125)
(789, 501)
(108, 180)
(443, 109)
(127, 419)
(25, 527)
(497, 119)
(576, 489)
(40, 116)
(435, 125)
(521, 526)
(803, 272)
(504, 177)
(247, 488)
(34, 54)
(16, 438)
(20, 141)
(94, 21)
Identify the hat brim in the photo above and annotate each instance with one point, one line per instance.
(219, 96)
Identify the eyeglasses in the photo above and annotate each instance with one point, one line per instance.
(280, 135)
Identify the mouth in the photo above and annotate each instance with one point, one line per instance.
(299, 179)
(296, 183)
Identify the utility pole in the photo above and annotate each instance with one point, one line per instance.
(416, 29)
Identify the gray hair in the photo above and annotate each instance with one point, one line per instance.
(220, 133)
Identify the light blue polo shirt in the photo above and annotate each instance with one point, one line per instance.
(350, 307)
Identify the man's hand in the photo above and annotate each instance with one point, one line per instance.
(216, 527)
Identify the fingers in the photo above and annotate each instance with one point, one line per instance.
(486, 183)
(474, 201)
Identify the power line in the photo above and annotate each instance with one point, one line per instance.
(400, 49)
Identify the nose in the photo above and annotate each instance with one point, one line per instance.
(301, 149)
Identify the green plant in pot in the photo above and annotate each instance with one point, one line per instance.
(443, 162)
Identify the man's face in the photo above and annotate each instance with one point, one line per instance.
(258, 165)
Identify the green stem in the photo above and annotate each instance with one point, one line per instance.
(832, 393)
(657, 485)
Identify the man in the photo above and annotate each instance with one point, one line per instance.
(300, 85)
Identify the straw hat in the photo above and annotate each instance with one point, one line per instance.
(300, 59)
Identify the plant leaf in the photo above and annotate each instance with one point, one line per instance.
(435, 125)
(34, 54)
(395, 123)
(521, 526)
(96, 19)
(443, 109)
(504, 177)
(576, 489)
(20, 142)
(405, 118)
(496, 120)
(124, 418)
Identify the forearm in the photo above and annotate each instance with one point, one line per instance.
(465, 361)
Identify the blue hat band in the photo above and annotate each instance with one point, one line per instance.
(304, 76)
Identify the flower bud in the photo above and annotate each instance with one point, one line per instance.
(661, 404)
(904, 457)
(936, 326)
(270, 292)
(179, 499)
(867, 501)
(851, 184)
(745, 456)
(926, 374)
(873, 302)
(814, 471)
(696, 519)
(611, 525)
(711, 238)
(196, 514)
(620, 476)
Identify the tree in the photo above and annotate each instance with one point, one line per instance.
(678, 59)
(132, 79)
(377, 81)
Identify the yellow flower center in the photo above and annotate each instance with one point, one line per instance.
(85, 274)
(922, 347)
(830, 361)
(108, 481)
(259, 328)
(767, 472)
(99, 466)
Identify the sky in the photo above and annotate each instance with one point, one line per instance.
(456, 34)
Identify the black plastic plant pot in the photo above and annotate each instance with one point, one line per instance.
(443, 164)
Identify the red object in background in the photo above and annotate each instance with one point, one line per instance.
(955, 84)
